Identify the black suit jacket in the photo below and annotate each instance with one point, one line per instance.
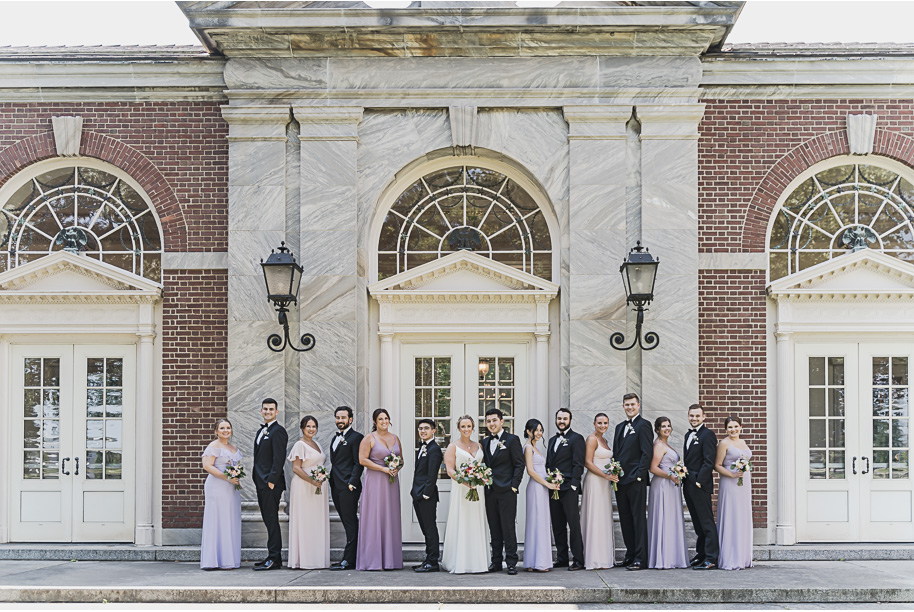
(699, 459)
(507, 463)
(568, 459)
(346, 469)
(425, 476)
(635, 450)
(270, 457)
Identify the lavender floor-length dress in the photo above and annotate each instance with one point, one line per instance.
(380, 535)
(597, 515)
(221, 544)
(666, 539)
(734, 516)
(537, 531)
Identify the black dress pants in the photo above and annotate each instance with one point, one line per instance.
(268, 500)
(701, 510)
(566, 516)
(346, 503)
(426, 511)
(501, 514)
(632, 501)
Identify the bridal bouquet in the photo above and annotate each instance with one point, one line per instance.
(319, 474)
(742, 466)
(614, 468)
(394, 462)
(679, 471)
(473, 474)
(234, 469)
(555, 477)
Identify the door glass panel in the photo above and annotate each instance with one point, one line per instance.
(432, 385)
(104, 422)
(496, 389)
(890, 418)
(41, 427)
(826, 418)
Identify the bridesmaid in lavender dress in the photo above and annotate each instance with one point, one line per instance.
(537, 531)
(221, 545)
(309, 510)
(666, 541)
(380, 537)
(597, 504)
(734, 501)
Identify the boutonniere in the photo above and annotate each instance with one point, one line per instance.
(564, 442)
(629, 429)
(500, 446)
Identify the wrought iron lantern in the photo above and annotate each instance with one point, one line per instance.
(282, 275)
(639, 272)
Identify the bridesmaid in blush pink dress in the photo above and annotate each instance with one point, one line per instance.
(309, 508)
(380, 537)
(597, 504)
(221, 545)
(666, 540)
(734, 501)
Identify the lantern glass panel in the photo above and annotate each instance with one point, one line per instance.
(641, 278)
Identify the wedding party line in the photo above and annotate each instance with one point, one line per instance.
(569, 495)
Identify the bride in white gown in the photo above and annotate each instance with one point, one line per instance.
(466, 542)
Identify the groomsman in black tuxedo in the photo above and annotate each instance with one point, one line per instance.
(425, 493)
(566, 454)
(633, 447)
(269, 460)
(346, 481)
(502, 452)
(698, 454)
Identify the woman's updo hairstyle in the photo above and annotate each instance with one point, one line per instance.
(658, 423)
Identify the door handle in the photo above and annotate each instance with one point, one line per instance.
(77, 466)
(854, 465)
(63, 466)
(867, 469)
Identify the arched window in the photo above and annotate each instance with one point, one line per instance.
(839, 209)
(83, 209)
(465, 208)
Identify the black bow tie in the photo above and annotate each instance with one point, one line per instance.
(340, 434)
(562, 434)
(691, 431)
(265, 425)
(424, 445)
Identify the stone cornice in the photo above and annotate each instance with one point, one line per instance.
(84, 297)
(670, 121)
(462, 297)
(257, 122)
(328, 122)
(597, 121)
(817, 282)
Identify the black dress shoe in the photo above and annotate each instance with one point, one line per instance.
(634, 567)
(696, 561)
(575, 567)
(495, 567)
(269, 564)
(512, 570)
(426, 568)
(705, 565)
(344, 565)
(560, 564)
(260, 563)
(624, 563)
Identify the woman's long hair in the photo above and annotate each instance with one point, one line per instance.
(375, 415)
(530, 427)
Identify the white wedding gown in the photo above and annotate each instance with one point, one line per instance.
(466, 542)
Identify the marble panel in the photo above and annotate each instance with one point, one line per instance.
(670, 206)
(597, 207)
(597, 252)
(433, 127)
(675, 298)
(257, 163)
(328, 207)
(276, 73)
(328, 253)
(325, 386)
(328, 162)
(677, 249)
(669, 161)
(657, 71)
(256, 207)
(597, 162)
(590, 343)
(247, 343)
(596, 387)
(248, 248)
(334, 342)
(327, 298)
(194, 260)
(249, 384)
(596, 297)
(248, 299)
(529, 136)
(678, 342)
(669, 390)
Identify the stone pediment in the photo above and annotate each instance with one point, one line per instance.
(463, 274)
(867, 273)
(64, 276)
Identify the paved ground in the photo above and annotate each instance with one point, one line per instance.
(425, 607)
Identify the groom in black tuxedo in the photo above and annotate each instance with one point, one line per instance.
(269, 460)
(566, 454)
(346, 481)
(502, 452)
(425, 493)
(699, 454)
(633, 448)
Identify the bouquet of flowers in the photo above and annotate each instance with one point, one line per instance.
(742, 466)
(614, 468)
(234, 469)
(473, 474)
(319, 474)
(555, 477)
(394, 462)
(679, 471)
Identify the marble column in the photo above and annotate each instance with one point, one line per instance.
(669, 228)
(333, 303)
(785, 459)
(145, 367)
(592, 287)
(6, 374)
(257, 159)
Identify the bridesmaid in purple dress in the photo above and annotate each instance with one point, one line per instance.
(734, 501)
(221, 545)
(380, 537)
(666, 541)
(537, 531)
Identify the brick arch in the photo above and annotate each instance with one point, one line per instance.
(40, 147)
(755, 228)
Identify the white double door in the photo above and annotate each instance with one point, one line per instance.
(72, 443)
(853, 461)
(444, 382)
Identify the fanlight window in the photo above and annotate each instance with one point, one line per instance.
(842, 209)
(84, 210)
(465, 208)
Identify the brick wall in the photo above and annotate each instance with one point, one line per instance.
(195, 382)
